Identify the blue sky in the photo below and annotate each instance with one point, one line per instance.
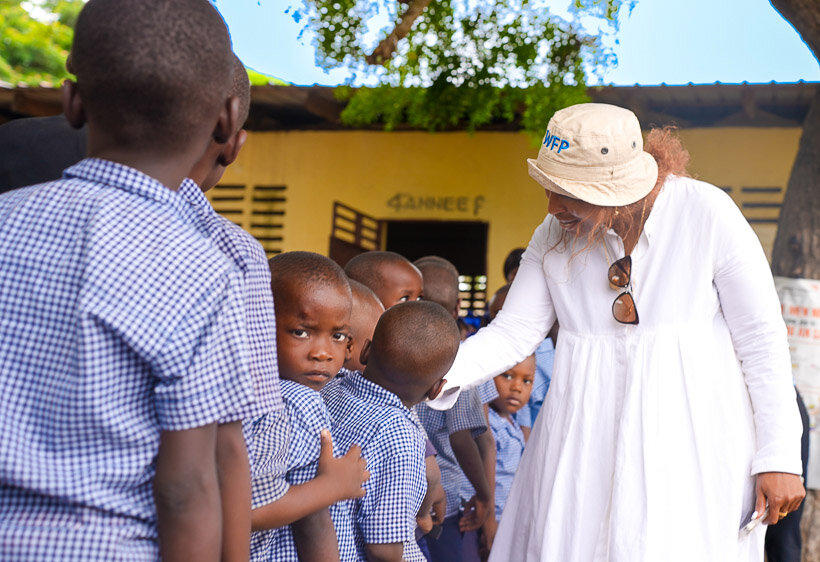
(661, 41)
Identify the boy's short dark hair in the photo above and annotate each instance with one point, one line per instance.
(415, 337)
(512, 261)
(152, 70)
(440, 281)
(241, 88)
(364, 268)
(305, 268)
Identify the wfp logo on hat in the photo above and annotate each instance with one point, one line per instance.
(552, 142)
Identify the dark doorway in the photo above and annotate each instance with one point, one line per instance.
(462, 242)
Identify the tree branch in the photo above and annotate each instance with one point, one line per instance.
(387, 47)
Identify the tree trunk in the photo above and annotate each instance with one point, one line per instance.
(797, 245)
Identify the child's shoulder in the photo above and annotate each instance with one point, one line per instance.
(304, 406)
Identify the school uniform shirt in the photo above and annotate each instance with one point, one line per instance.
(267, 456)
(307, 416)
(119, 321)
(646, 424)
(509, 446)
(364, 413)
(466, 414)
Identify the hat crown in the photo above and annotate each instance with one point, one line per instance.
(594, 152)
(592, 135)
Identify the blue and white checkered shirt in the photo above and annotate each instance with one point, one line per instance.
(366, 414)
(249, 257)
(119, 321)
(308, 416)
(267, 454)
(509, 446)
(466, 414)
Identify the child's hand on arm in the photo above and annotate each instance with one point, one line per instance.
(345, 475)
(336, 480)
(186, 493)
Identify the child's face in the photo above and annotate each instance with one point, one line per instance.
(311, 334)
(514, 387)
(402, 283)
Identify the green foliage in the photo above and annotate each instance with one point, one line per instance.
(36, 39)
(464, 63)
(259, 79)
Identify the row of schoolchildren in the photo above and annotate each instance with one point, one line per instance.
(140, 344)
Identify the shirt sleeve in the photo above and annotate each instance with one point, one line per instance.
(466, 414)
(387, 513)
(307, 420)
(523, 323)
(752, 311)
(203, 372)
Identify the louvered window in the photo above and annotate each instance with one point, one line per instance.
(259, 209)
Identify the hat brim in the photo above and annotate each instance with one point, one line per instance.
(614, 193)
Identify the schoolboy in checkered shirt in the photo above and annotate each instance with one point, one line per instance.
(123, 338)
(236, 448)
(312, 342)
(413, 346)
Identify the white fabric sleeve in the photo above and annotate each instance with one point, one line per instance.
(513, 335)
(752, 311)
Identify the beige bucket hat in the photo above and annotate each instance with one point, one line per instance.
(594, 152)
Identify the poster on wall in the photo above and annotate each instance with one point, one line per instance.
(800, 302)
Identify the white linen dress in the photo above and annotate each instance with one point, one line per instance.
(650, 435)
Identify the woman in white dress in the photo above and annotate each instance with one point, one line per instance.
(671, 414)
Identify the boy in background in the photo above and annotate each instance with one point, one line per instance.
(413, 346)
(367, 309)
(514, 387)
(134, 363)
(390, 275)
(312, 315)
(465, 449)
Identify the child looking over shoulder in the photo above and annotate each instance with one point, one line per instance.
(514, 387)
(388, 274)
(312, 314)
(413, 346)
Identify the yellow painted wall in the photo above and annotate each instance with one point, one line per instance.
(484, 174)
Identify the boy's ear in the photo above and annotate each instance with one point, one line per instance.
(349, 349)
(435, 389)
(228, 121)
(365, 354)
(72, 104)
(231, 150)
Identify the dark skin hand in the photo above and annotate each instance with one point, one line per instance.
(186, 493)
(234, 475)
(336, 480)
(782, 492)
(469, 459)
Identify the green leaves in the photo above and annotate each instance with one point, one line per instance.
(36, 41)
(463, 63)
